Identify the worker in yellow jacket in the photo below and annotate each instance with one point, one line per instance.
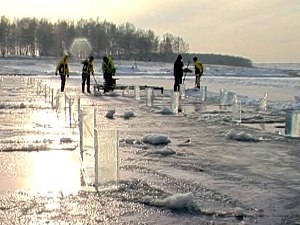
(198, 71)
(63, 70)
(109, 70)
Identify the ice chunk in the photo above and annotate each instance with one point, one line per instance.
(128, 115)
(166, 110)
(164, 152)
(110, 114)
(156, 139)
(177, 202)
(240, 136)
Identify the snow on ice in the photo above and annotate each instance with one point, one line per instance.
(194, 167)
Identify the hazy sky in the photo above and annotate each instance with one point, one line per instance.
(262, 30)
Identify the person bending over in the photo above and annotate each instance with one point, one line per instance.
(109, 70)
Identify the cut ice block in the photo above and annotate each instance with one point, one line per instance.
(223, 97)
(149, 96)
(292, 123)
(203, 91)
(236, 111)
(263, 103)
(231, 96)
(175, 102)
(137, 93)
(106, 158)
(86, 126)
(182, 91)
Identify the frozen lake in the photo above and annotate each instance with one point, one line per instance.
(212, 170)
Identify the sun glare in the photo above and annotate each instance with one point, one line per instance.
(56, 171)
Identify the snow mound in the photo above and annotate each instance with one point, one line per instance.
(164, 152)
(177, 202)
(65, 140)
(166, 110)
(156, 139)
(128, 114)
(240, 136)
(110, 114)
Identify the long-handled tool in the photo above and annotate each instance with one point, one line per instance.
(96, 82)
(186, 70)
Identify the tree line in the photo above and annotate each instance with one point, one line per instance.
(32, 37)
(40, 37)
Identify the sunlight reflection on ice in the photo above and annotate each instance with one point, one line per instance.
(47, 118)
(56, 171)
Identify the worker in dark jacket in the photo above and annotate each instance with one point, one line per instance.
(178, 73)
(63, 70)
(87, 70)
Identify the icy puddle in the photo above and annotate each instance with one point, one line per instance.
(40, 172)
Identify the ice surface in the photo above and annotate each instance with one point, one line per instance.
(194, 167)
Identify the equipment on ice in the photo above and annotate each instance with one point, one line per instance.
(186, 70)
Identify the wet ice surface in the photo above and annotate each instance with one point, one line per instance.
(200, 176)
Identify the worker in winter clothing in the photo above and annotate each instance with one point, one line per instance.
(87, 70)
(109, 70)
(178, 73)
(63, 70)
(198, 71)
